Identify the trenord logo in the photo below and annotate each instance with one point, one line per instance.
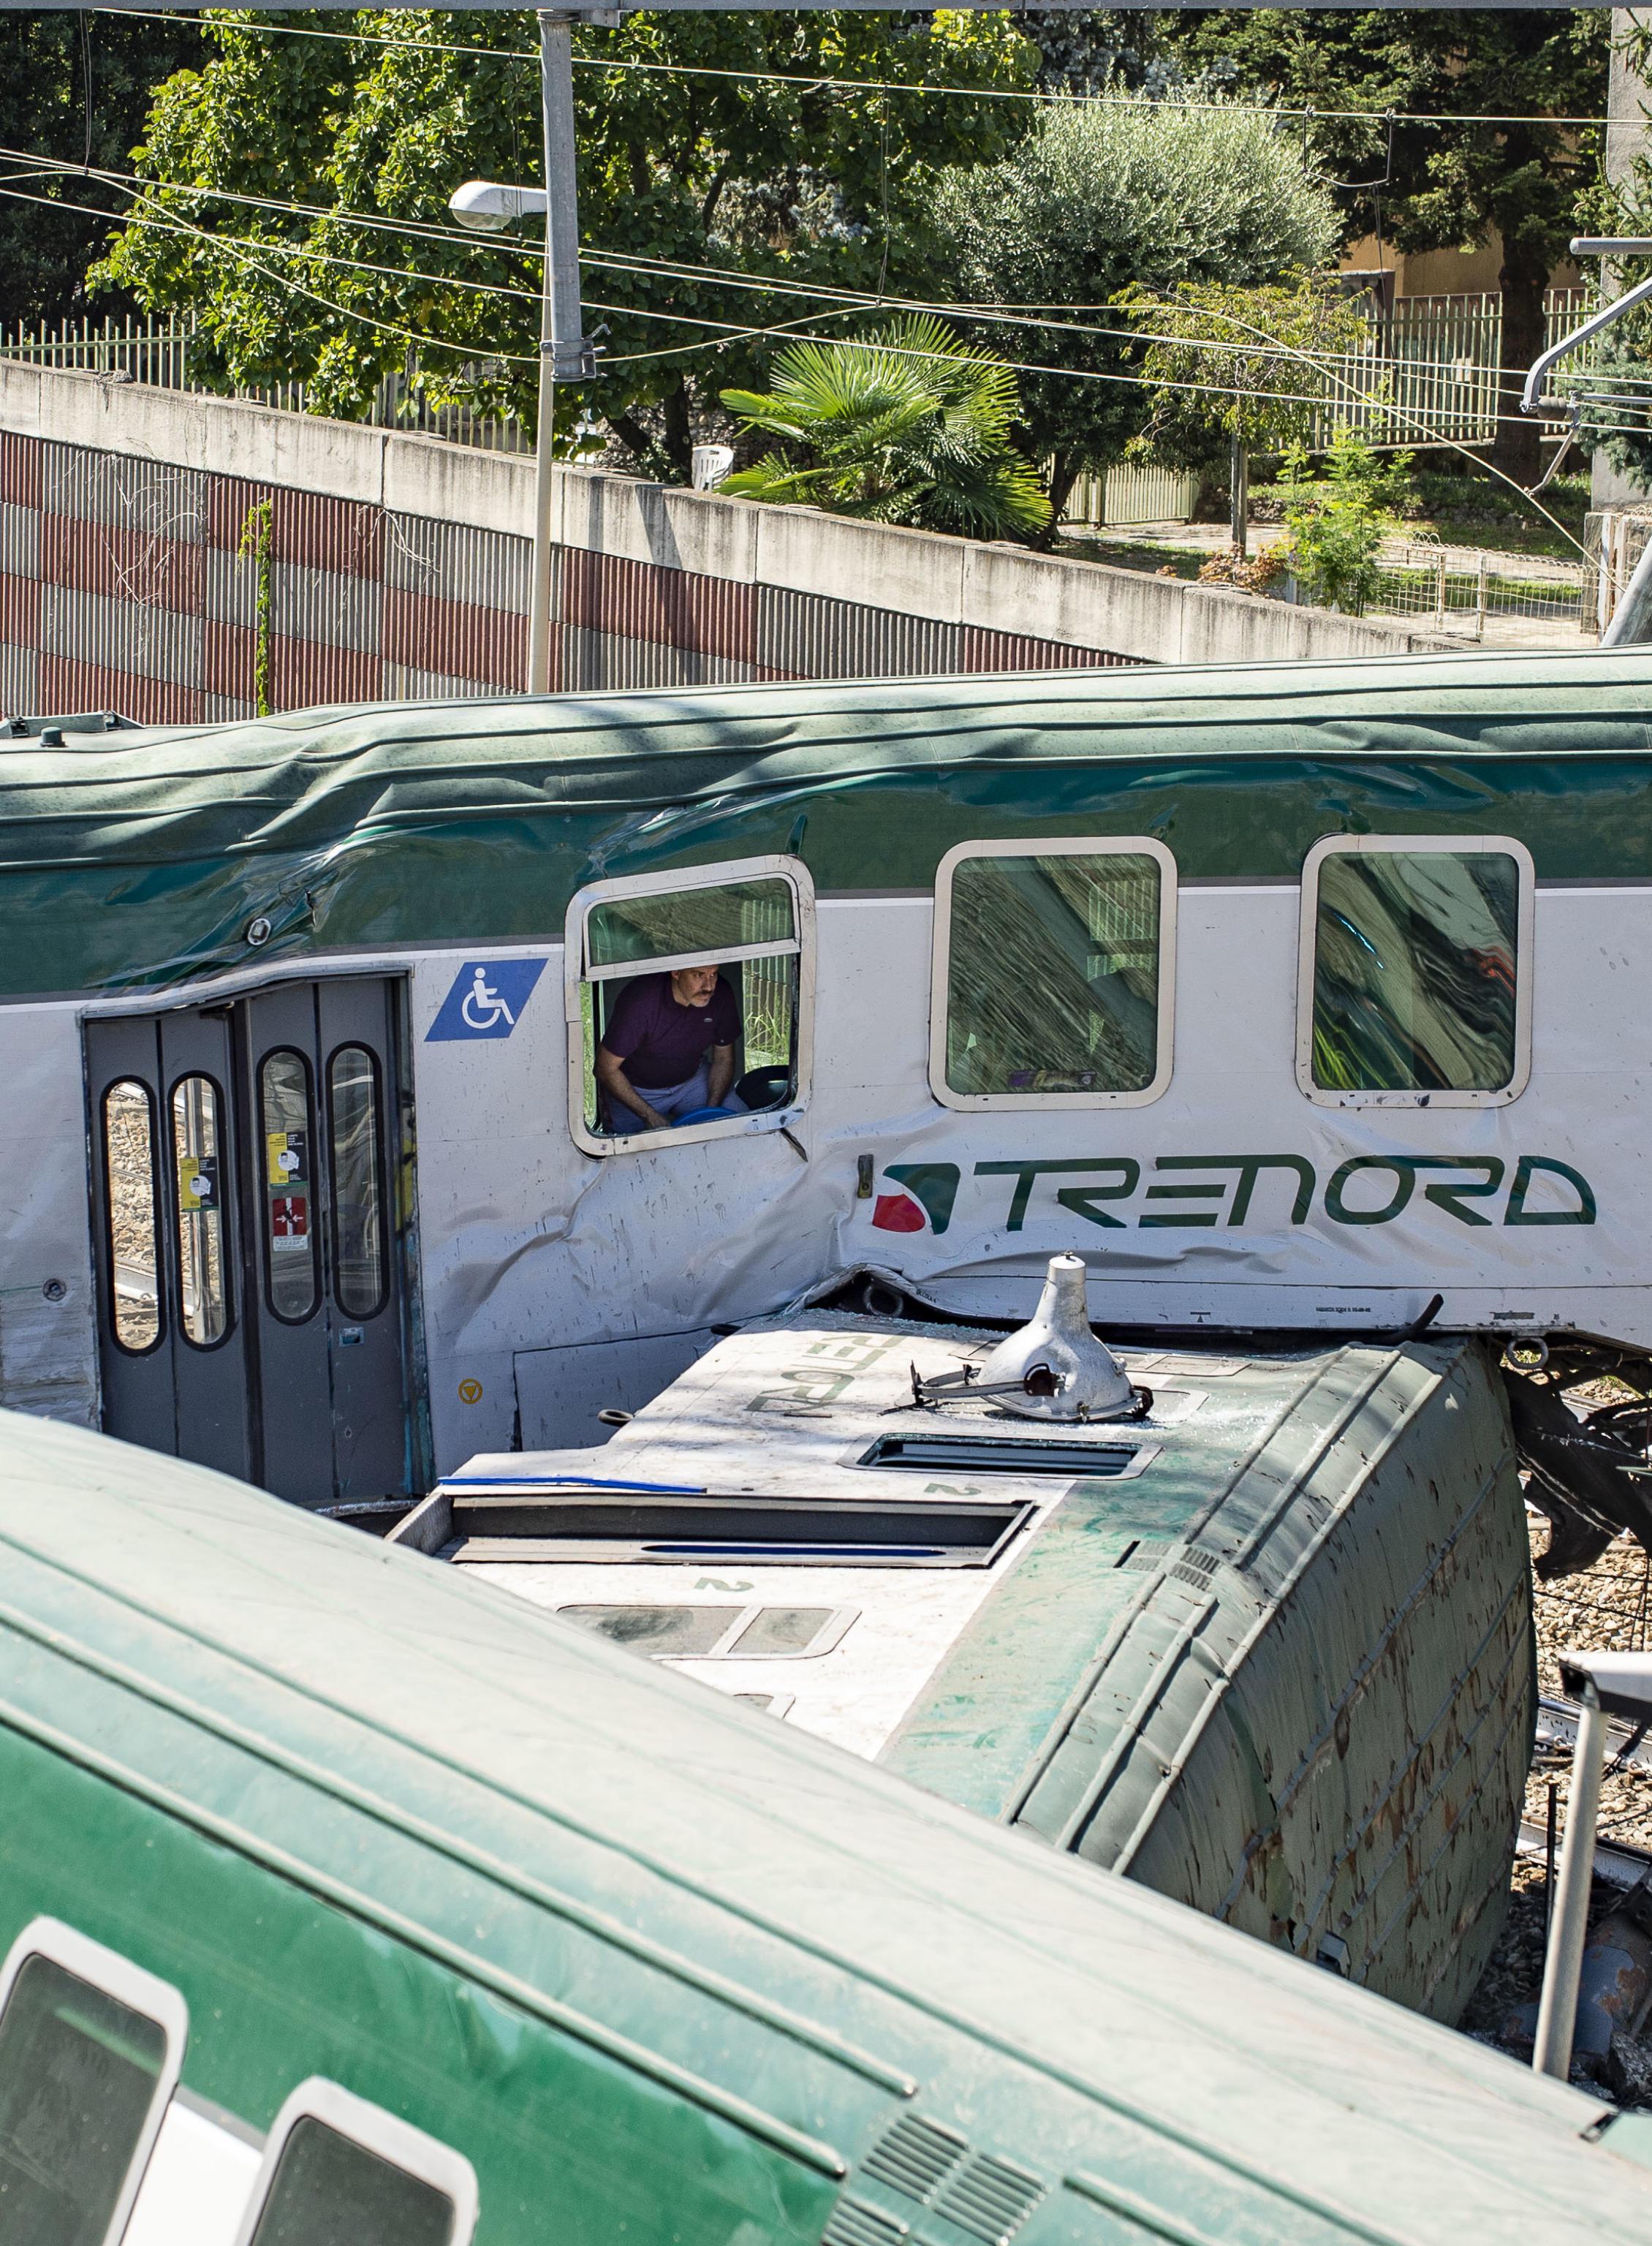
(1260, 1192)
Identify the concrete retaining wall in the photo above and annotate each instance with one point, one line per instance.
(400, 569)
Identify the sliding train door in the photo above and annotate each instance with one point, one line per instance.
(249, 1175)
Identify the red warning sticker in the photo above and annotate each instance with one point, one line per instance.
(289, 1220)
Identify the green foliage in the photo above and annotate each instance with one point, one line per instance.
(782, 181)
(1338, 522)
(1102, 195)
(1422, 185)
(912, 427)
(74, 84)
(257, 545)
(1287, 350)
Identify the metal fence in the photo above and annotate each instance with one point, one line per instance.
(1428, 371)
(162, 351)
(1131, 496)
(1458, 587)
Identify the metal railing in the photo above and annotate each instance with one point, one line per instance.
(160, 351)
(1131, 496)
(1458, 587)
(1429, 369)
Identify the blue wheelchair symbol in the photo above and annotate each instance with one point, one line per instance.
(486, 999)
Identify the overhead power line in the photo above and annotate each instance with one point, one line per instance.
(1348, 367)
(1309, 113)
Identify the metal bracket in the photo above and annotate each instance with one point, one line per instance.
(1634, 245)
(570, 362)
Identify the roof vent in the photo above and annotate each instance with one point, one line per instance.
(991, 2200)
(1054, 1368)
(915, 2156)
(854, 2223)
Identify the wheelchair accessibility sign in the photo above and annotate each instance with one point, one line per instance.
(486, 999)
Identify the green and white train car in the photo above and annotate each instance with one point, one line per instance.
(346, 1902)
(1293, 996)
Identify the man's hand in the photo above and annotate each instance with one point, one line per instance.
(652, 1119)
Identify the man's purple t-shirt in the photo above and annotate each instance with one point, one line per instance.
(661, 1042)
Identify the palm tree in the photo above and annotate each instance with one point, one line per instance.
(909, 425)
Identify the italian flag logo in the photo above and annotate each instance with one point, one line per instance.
(922, 1201)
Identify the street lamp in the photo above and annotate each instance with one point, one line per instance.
(565, 355)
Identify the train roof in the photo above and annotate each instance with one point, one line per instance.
(397, 824)
(594, 1850)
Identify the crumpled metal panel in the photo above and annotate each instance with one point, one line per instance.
(371, 1817)
(1287, 1676)
(314, 818)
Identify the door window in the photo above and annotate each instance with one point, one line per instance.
(340, 2172)
(89, 2052)
(693, 989)
(361, 1262)
(132, 1195)
(1414, 975)
(198, 1181)
(291, 1279)
(1052, 975)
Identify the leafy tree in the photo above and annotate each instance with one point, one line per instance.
(73, 84)
(1255, 364)
(1338, 522)
(911, 425)
(1445, 185)
(731, 175)
(1102, 195)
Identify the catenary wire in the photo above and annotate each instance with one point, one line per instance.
(730, 334)
(1308, 112)
(716, 277)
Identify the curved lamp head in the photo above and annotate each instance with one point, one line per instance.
(487, 208)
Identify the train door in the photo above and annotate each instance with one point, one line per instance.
(248, 1180)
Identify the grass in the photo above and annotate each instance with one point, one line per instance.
(1467, 506)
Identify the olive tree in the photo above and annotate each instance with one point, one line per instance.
(1103, 196)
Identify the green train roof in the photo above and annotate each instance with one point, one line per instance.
(137, 858)
(628, 1946)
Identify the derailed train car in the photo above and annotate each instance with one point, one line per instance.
(342, 1898)
(1307, 1002)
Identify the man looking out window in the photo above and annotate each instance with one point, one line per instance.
(669, 1050)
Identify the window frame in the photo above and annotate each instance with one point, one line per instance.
(229, 1246)
(1459, 845)
(157, 1210)
(326, 1105)
(376, 2130)
(576, 974)
(312, 1114)
(116, 1977)
(1064, 846)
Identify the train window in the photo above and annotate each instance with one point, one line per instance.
(361, 1264)
(1414, 981)
(198, 1180)
(704, 1633)
(133, 1196)
(291, 1281)
(89, 2050)
(339, 2172)
(1053, 973)
(690, 1004)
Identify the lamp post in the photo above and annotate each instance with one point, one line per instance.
(565, 354)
